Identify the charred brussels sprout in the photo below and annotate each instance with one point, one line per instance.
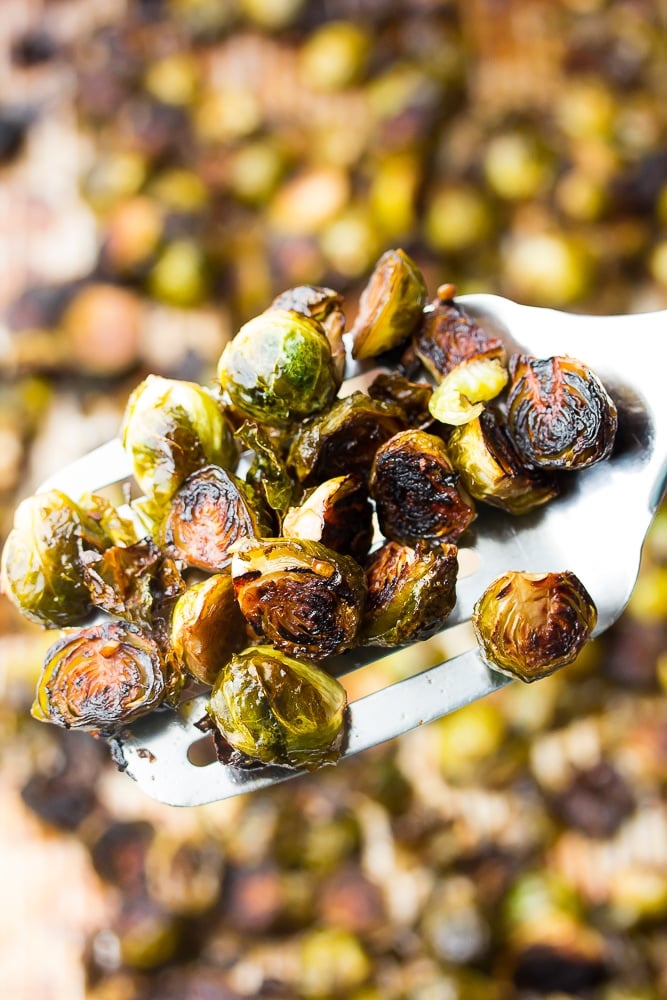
(41, 560)
(417, 490)
(207, 627)
(169, 429)
(303, 597)
(411, 592)
(390, 306)
(279, 369)
(447, 336)
(559, 413)
(337, 513)
(184, 872)
(324, 305)
(491, 468)
(531, 624)
(121, 579)
(412, 398)
(461, 395)
(100, 678)
(279, 710)
(211, 511)
(344, 440)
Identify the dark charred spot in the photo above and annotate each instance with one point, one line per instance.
(447, 336)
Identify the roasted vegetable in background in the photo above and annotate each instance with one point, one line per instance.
(491, 468)
(411, 592)
(170, 428)
(417, 490)
(184, 871)
(343, 440)
(465, 389)
(447, 336)
(303, 597)
(324, 305)
(337, 513)
(207, 627)
(531, 624)
(279, 368)
(559, 413)
(41, 560)
(211, 511)
(101, 677)
(279, 710)
(390, 305)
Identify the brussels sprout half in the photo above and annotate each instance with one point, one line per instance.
(279, 710)
(169, 429)
(101, 677)
(531, 624)
(41, 570)
(337, 513)
(279, 369)
(120, 580)
(559, 413)
(447, 336)
(390, 305)
(411, 592)
(344, 440)
(491, 468)
(207, 627)
(303, 597)
(417, 490)
(412, 398)
(211, 511)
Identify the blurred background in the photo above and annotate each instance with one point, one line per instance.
(166, 168)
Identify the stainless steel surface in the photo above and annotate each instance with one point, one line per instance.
(596, 529)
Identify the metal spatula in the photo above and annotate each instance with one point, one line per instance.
(595, 529)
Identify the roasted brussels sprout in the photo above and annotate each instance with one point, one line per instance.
(411, 397)
(119, 530)
(279, 368)
(417, 491)
(211, 511)
(303, 597)
(411, 592)
(207, 627)
(279, 710)
(491, 468)
(184, 871)
(169, 429)
(267, 474)
(461, 395)
(337, 513)
(344, 440)
(559, 413)
(101, 677)
(324, 305)
(531, 624)
(390, 306)
(120, 579)
(41, 560)
(447, 336)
